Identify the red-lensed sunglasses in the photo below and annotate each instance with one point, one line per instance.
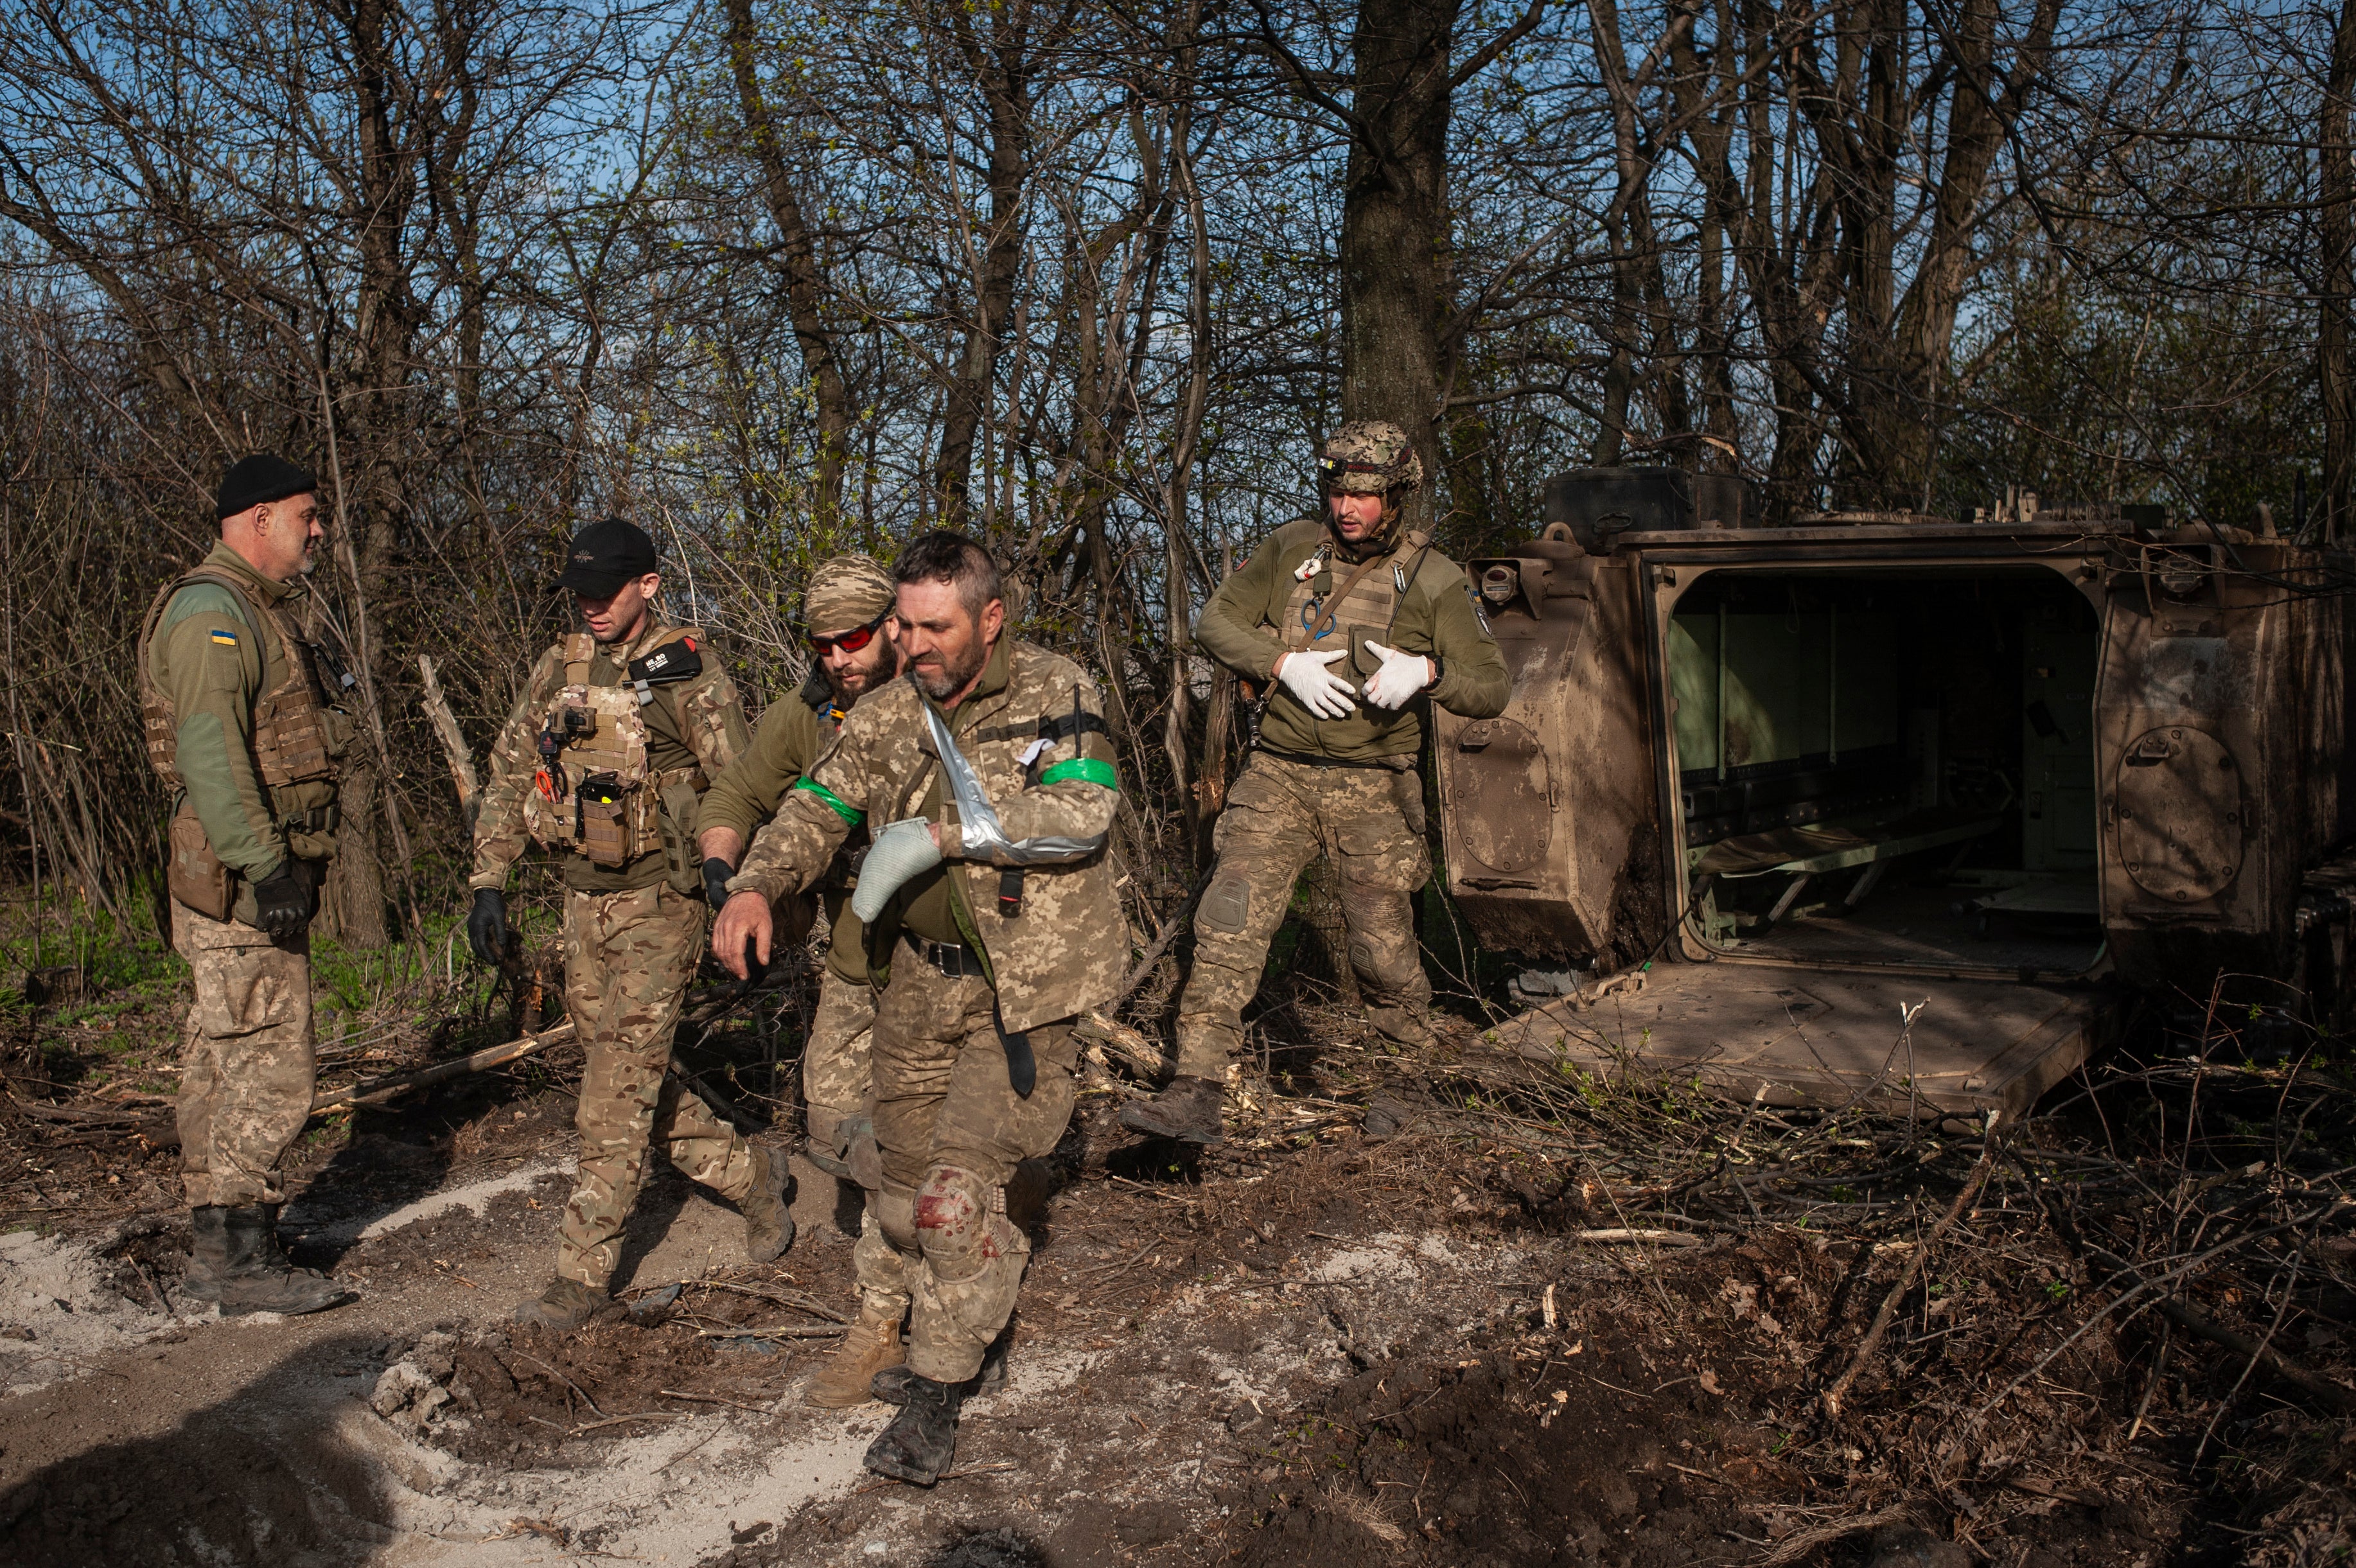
(850, 642)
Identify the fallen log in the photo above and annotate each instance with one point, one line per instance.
(375, 1091)
(1646, 1238)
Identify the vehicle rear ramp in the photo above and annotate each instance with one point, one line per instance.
(1822, 1038)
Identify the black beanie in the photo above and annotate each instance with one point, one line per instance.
(264, 476)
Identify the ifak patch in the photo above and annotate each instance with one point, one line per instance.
(225, 638)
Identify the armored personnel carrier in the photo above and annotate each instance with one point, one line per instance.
(1903, 805)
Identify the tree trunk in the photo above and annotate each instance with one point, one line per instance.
(1001, 65)
(2337, 223)
(805, 282)
(352, 905)
(1395, 225)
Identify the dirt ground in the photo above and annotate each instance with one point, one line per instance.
(1442, 1316)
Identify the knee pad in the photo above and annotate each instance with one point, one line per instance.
(894, 1208)
(960, 1222)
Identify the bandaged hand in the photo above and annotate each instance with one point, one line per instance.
(903, 851)
(1321, 690)
(1401, 676)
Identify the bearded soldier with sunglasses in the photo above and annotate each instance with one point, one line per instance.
(619, 730)
(848, 609)
(1358, 626)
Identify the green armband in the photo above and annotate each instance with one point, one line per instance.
(1086, 768)
(847, 813)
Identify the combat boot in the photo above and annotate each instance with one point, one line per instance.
(768, 1227)
(871, 1348)
(255, 1275)
(208, 1255)
(564, 1306)
(922, 1439)
(1187, 1110)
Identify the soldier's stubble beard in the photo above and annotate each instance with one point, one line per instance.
(954, 672)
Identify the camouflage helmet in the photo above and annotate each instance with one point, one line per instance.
(1369, 457)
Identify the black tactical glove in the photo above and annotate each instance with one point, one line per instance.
(716, 874)
(486, 925)
(285, 902)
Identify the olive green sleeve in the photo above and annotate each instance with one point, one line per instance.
(208, 659)
(1230, 629)
(745, 795)
(500, 835)
(1472, 680)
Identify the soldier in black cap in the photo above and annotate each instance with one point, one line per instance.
(245, 724)
(621, 728)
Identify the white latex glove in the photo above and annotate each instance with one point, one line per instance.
(1401, 676)
(903, 851)
(1321, 690)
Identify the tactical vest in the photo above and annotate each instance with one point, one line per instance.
(595, 794)
(299, 736)
(1367, 611)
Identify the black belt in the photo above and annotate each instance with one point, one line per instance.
(956, 962)
(1302, 759)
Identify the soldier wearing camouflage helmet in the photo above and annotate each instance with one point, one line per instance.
(601, 763)
(1360, 625)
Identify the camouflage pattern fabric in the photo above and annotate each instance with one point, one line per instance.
(695, 724)
(627, 960)
(1369, 820)
(881, 1269)
(1369, 457)
(846, 591)
(1065, 950)
(794, 733)
(836, 1081)
(953, 1131)
(247, 1060)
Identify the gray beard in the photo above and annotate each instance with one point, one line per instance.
(951, 681)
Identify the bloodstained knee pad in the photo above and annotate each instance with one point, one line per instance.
(895, 1215)
(961, 1223)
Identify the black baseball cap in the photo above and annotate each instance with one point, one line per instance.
(606, 555)
(262, 477)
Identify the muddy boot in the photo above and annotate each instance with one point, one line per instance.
(208, 1255)
(564, 1306)
(871, 1347)
(254, 1275)
(891, 1384)
(768, 1229)
(922, 1439)
(1187, 1110)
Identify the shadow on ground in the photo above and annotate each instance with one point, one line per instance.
(289, 1470)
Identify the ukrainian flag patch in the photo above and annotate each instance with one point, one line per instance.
(225, 638)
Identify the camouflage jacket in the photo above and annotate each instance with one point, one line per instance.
(793, 734)
(1425, 606)
(1033, 734)
(697, 723)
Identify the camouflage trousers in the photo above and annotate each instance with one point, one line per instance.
(246, 1063)
(627, 960)
(837, 1082)
(1369, 820)
(936, 1240)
